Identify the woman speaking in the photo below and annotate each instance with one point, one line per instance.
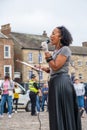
(62, 102)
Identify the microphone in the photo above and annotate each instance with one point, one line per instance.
(44, 45)
(48, 41)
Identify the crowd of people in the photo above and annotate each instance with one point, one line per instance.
(10, 95)
(38, 95)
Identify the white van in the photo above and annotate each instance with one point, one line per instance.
(24, 100)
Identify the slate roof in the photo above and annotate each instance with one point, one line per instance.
(31, 41)
(78, 50)
(28, 41)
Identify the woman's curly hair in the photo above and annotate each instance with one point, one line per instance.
(66, 38)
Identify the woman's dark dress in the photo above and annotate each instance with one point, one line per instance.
(62, 103)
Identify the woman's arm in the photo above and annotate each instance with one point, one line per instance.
(57, 63)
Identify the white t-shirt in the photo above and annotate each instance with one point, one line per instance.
(80, 89)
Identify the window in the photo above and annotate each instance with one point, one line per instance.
(86, 63)
(17, 74)
(72, 63)
(40, 75)
(6, 51)
(40, 58)
(80, 76)
(30, 73)
(30, 59)
(7, 70)
(79, 63)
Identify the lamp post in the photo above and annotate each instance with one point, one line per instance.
(39, 65)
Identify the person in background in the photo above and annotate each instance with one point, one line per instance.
(38, 100)
(62, 100)
(44, 95)
(80, 91)
(7, 93)
(0, 101)
(85, 98)
(72, 77)
(16, 96)
(33, 87)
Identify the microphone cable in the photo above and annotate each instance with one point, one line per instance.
(38, 116)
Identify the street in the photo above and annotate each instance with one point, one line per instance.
(24, 121)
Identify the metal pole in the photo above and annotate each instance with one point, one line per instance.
(39, 68)
(39, 87)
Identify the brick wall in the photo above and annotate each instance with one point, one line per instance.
(3, 61)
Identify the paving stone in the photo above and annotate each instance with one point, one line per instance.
(24, 121)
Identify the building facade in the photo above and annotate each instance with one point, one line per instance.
(78, 65)
(26, 47)
(6, 56)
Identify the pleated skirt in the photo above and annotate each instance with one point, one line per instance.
(62, 104)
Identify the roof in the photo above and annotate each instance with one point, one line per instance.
(31, 41)
(78, 50)
(2, 35)
(28, 40)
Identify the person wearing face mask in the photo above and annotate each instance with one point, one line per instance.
(62, 100)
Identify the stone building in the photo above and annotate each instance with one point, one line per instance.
(30, 51)
(26, 47)
(79, 61)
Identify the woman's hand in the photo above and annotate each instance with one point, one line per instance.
(46, 69)
(47, 55)
(40, 67)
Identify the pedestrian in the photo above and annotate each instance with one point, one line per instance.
(44, 95)
(85, 98)
(7, 94)
(33, 87)
(38, 100)
(62, 100)
(16, 96)
(80, 91)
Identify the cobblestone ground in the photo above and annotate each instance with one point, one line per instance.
(24, 121)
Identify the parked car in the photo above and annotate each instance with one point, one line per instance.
(25, 85)
(24, 100)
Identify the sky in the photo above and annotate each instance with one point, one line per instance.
(35, 16)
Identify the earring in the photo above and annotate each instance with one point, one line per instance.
(60, 44)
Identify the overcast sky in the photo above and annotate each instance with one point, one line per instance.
(34, 16)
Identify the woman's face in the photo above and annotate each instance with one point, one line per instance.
(55, 37)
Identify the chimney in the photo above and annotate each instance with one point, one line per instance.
(84, 44)
(6, 29)
(44, 34)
